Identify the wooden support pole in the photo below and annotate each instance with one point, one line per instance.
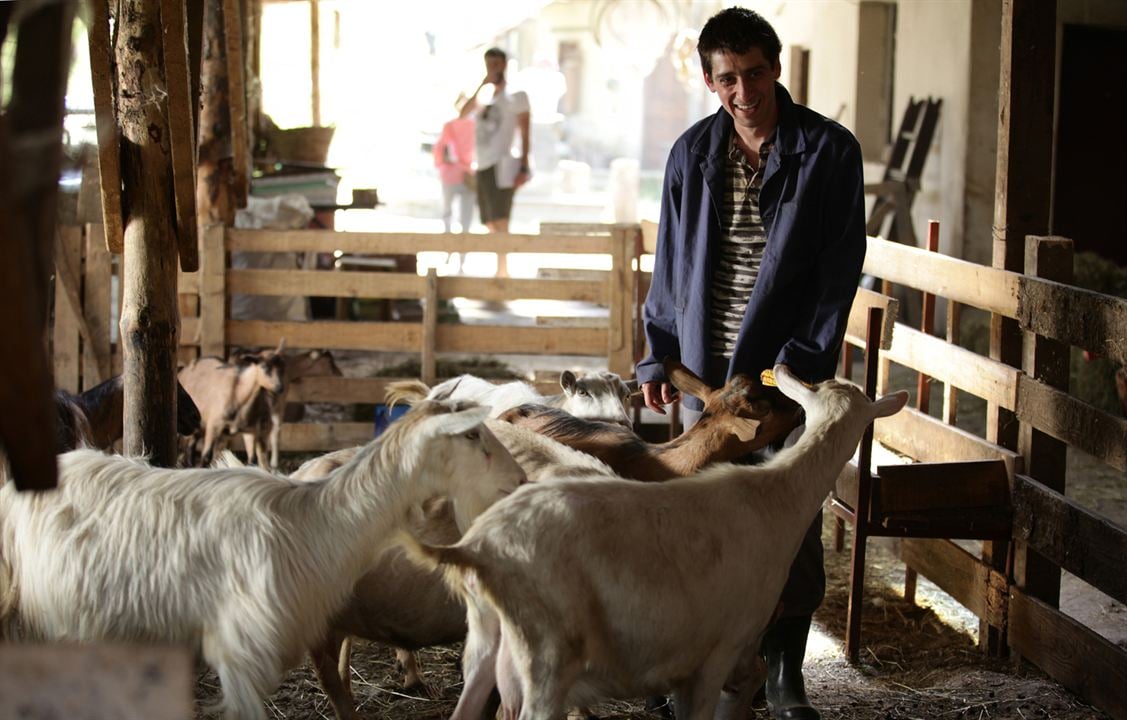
(105, 120)
(1045, 457)
(620, 295)
(182, 132)
(213, 296)
(237, 97)
(429, 361)
(1022, 195)
(315, 60)
(215, 200)
(150, 321)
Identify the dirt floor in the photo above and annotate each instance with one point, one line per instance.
(917, 661)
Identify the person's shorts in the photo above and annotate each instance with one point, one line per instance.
(493, 203)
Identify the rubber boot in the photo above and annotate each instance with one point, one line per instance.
(784, 647)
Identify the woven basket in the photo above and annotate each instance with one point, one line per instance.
(303, 144)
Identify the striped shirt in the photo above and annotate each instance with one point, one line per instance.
(740, 249)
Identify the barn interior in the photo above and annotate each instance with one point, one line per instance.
(187, 179)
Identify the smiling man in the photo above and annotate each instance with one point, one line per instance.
(760, 245)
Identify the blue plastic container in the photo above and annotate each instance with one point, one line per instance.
(384, 417)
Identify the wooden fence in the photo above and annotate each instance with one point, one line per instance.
(1015, 590)
(1018, 598)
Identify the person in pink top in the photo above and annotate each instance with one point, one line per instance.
(453, 156)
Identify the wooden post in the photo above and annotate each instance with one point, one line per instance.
(97, 287)
(105, 119)
(1021, 194)
(620, 297)
(315, 60)
(150, 322)
(30, 155)
(429, 363)
(1048, 361)
(950, 393)
(923, 382)
(237, 97)
(215, 201)
(182, 133)
(213, 297)
(68, 309)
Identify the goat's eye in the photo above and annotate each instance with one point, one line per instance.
(473, 435)
(583, 393)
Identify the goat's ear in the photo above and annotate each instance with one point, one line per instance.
(568, 381)
(745, 429)
(281, 346)
(686, 380)
(459, 422)
(890, 404)
(791, 386)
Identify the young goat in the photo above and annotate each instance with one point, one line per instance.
(600, 396)
(243, 565)
(739, 418)
(225, 393)
(579, 591)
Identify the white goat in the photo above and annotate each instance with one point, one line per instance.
(597, 396)
(579, 591)
(399, 603)
(242, 565)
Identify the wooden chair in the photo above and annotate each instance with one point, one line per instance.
(957, 500)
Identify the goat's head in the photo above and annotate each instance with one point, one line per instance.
(268, 366)
(834, 399)
(751, 415)
(601, 396)
(187, 414)
(454, 454)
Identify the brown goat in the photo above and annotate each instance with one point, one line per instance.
(739, 418)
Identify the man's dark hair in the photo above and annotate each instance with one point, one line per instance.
(496, 52)
(737, 30)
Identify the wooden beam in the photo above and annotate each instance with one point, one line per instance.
(87, 682)
(1066, 418)
(971, 582)
(1089, 546)
(1073, 655)
(990, 289)
(237, 97)
(105, 120)
(181, 130)
(315, 60)
(323, 437)
(430, 328)
(407, 337)
(97, 288)
(1077, 316)
(858, 317)
(213, 297)
(989, 379)
(67, 328)
(367, 243)
(150, 318)
(927, 439)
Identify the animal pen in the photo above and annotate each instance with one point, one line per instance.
(984, 515)
(1012, 584)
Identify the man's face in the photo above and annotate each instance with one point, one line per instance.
(745, 85)
(495, 68)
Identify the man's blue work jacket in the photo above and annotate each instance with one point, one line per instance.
(812, 205)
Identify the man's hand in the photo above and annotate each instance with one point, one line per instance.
(657, 395)
(522, 177)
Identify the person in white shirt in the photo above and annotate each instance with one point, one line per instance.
(500, 171)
